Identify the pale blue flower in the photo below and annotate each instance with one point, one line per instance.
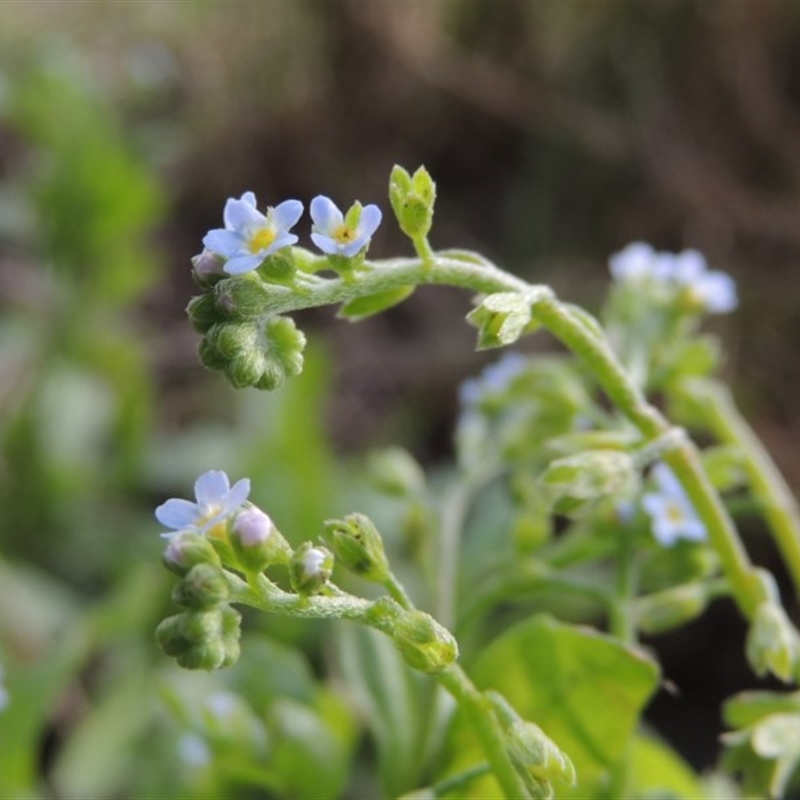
(249, 236)
(634, 262)
(332, 234)
(672, 515)
(216, 502)
(253, 527)
(494, 379)
(714, 290)
(194, 750)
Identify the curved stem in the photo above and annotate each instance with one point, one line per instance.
(487, 727)
(766, 482)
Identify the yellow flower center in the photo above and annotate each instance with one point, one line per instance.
(674, 512)
(343, 234)
(261, 240)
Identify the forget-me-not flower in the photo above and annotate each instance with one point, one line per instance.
(714, 290)
(334, 234)
(216, 502)
(250, 236)
(671, 512)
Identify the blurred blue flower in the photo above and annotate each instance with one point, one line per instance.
(249, 236)
(670, 510)
(334, 235)
(714, 290)
(494, 379)
(216, 499)
(3, 691)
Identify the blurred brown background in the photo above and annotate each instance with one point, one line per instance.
(557, 132)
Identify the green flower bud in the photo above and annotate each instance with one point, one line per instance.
(204, 587)
(203, 312)
(773, 645)
(310, 569)
(257, 542)
(571, 483)
(502, 317)
(357, 545)
(208, 355)
(423, 642)
(245, 297)
(395, 472)
(201, 639)
(663, 611)
(184, 550)
(279, 267)
(412, 199)
(536, 757)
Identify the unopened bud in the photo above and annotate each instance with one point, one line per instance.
(663, 611)
(357, 545)
(207, 268)
(412, 198)
(423, 642)
(244, 297)
(203, 312)
(257, 542)
(310, 569)
(395, 472)
(773, 645)
(186, 549)
(203, 587)
(201, 639)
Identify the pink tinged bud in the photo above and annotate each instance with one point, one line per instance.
(253, 527)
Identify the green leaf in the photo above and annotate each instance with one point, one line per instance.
(583, 688)
(658, 771)
(362, 307)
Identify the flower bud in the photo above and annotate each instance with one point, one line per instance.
(357, 545)
(257, 542)
(773, 645)
(501, 319)
(668, 609)
(245, 297)
(204, 587)
(571, 483)
(412, 198)
(395, 472)
(423, 642)
(203, 312)
(310, 569)
(184, 550)
(535, 756)
(279, 267)
(201, 639)
(207, 268)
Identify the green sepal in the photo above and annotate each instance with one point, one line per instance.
(424, 644)
(245, 297)
(412, 199)
(201, 639)
(186, 549)
(204, 587)
(663, 611)
(501, 319)
(357, 545)
(208, 355)
(773, 645)
(362, 307)
(279, 268)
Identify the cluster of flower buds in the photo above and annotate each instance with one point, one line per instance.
(248, 264)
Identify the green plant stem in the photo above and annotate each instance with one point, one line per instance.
(461, 779)
(487, 727)
(766, 482)
(473, 272)
(397, 592)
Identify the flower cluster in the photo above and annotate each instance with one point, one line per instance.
(670, 510)
(249, 237)
(713, 290)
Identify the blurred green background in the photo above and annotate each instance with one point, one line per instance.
(557, 133)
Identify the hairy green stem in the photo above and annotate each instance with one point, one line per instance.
(766, 482)
(487, 728)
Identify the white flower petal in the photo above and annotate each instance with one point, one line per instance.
(177, 513)
(689, 266)
(632, 262)
(283, 240)
(211, 488)
(351, 248)
(718, 291)
(325, 215)
(325, 243)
